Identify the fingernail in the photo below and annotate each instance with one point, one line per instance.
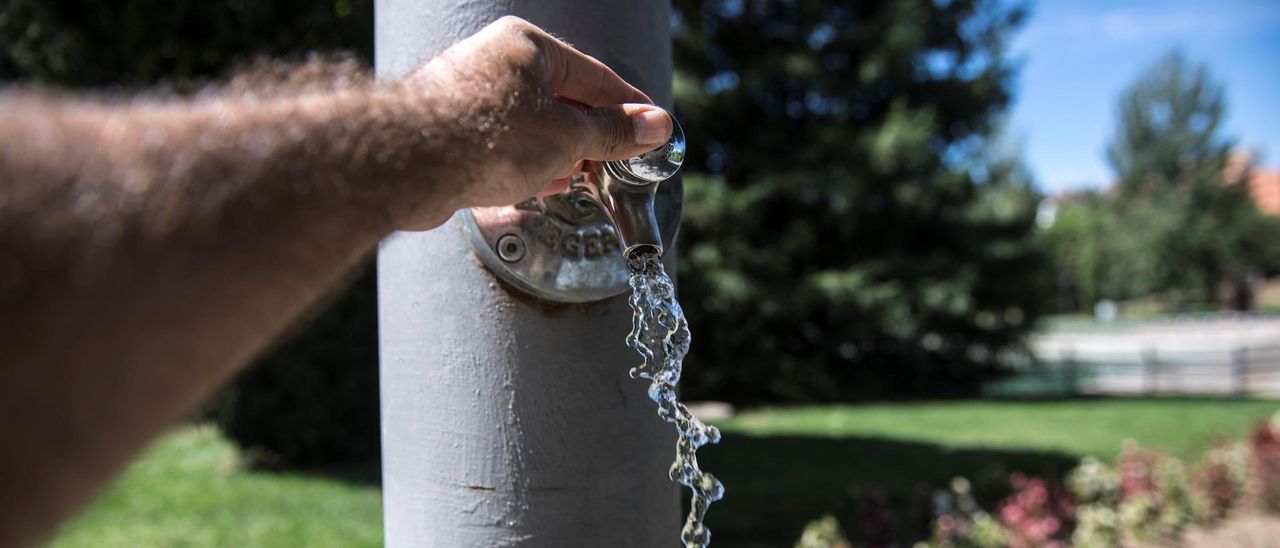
(651, 125)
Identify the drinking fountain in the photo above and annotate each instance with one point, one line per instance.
(571, 247)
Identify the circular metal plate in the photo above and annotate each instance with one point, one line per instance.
(562, 248)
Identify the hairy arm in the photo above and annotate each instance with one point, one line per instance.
(149, 249)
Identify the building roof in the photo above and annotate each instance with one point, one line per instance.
(1264, 186)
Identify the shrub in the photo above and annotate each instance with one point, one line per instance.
(1140, 501)
(980, 530)
(1097, 526)
(1180, 505)
(875, 519)
(823, 533)
(1223, 478)
(960, 523)
(1265, 446)
(1038, 513)
(1096, 489)
(1136, 467)
(1140, 516)
(1092, 482)
(1157, 501)
(1148, 497)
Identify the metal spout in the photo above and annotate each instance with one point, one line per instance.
(627, 190)
(630, 207)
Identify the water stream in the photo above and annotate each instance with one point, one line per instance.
(660, 334)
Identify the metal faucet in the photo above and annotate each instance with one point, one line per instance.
(627, 189)
(572, 247)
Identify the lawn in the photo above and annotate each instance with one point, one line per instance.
(190, 489)
(781, 468)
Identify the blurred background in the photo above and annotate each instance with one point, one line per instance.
(1011, 280)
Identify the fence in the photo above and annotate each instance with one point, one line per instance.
(1212, 356)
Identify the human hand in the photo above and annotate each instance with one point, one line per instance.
(535, 109)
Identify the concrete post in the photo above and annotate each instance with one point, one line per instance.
(1072, 366)
(1151, 369)
(1240, 370)
(506, 420)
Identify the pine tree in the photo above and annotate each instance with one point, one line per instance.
(847, 234)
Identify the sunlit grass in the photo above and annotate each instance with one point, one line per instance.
(191, 490)
(1180, 426)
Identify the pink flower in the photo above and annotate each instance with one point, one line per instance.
(1051, 525)
(1011, 513)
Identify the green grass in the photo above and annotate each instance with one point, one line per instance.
(784, 467)
(781, 468)
(1180, 426)
(191, 490)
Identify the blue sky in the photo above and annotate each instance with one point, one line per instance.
(1079, 55)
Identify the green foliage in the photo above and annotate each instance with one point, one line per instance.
(1224, 478)
(823, 533)
(1104, 248)
(141, 42)
(1097, 526)
(1149, 498)
(1183, 506)
(960, 522)
(1093, 482)
(1096, 489)
(851, 230)
(1174, 225)
(1168, 132)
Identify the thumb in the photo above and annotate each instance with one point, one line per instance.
(624, 131)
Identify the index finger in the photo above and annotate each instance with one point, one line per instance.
(583, 78)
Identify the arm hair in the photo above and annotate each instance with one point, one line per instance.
(151, 246)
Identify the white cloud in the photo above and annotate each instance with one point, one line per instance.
(1131, 25)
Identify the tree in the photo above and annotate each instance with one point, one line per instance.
(1100, 249)
(1177, 223)
(1175, 208)
(1167, 135)
(847, 235)
(132, 43)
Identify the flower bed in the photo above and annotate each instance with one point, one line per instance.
(1144, 497)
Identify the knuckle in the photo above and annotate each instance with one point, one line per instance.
(613, 130)
(513, 24)
(519, 30)
(520, 42)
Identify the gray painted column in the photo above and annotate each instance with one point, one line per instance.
(508, 421)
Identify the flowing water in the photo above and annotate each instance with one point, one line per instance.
(660, 334)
